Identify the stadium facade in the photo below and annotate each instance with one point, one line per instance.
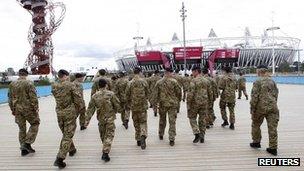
(254, 50)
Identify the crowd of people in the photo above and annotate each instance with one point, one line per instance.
(132, 94)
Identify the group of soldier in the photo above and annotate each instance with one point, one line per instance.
(134, 94)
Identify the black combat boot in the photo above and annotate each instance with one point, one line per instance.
(59, 163)
(155, 114)
(255, 145)
(24, 152)
(73, 152)
(125, 124)
(138, 143)
(171, 143)
(28, 147)
(247, 97)
(82, 128)
(202, 138)
(272, 151)
(143, 142)
(196, 138)
(239, 97)
(161, 137)
(225, 123)
(231, 126)
(105, 157)
(208, 126)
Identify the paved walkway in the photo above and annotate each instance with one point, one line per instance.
(224, 149)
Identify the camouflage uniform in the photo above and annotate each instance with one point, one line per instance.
(69, 102)
(186, 85)
(23, 102)
(151, 83)
(263, 104)
(228, 85)
(107, 105)
(180, 81)
(241, 82)
(137, 93)
(199, 95)
(211, 116)
(120, 92)
(167, 93)
(82, 116)
(95, 86)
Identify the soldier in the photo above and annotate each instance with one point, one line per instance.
(120, 92)
(214, 91)
(107, 105)
(263, 104)
(23, 103)
(180, 81)
(242, 86)
(199, 96)
(186, 85)
(228, 85)
(167, 93)
(78, 83)
(102, 75)
(137, 93)
(151, 83)
(68, 104)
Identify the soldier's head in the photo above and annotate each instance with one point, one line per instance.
(102, 83)
(196, 70)
(137, 70)
(227, 69)
(23, 73)
(241, 74)
(205, 71)
(177, 71)
(79, 77)
(63, 75)
(168, 71)
(262, 70)
(156, 72)
(102, 72)
(121, 74)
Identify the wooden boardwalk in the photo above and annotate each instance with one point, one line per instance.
(223, 149)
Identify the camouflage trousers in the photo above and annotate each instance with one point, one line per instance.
(210, 115)
(30, 136)
(272, 120)
(125, 114)
(107, 132)
(67, 126)
(140, 124)
(155, 108)
(82, 119)
(231, 111)
(240, 90)
(172, 114)
(197, 118)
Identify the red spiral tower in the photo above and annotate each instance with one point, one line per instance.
(44, 24)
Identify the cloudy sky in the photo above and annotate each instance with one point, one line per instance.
(93, 29)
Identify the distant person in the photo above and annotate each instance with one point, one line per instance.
(78, 83)
(263, 104)
(107, 105)
(137, 93)
(167, 94)
(102, 75)
(227, 84)
(23, 102)
(151, 82)
(69, 103)
(242, 86)
(198, 99)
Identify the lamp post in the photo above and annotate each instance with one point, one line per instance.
(272, 29)
(137, 38)
(183, 16)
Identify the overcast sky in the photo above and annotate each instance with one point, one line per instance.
(93, 29)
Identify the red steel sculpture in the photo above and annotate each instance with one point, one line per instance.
(45, 23)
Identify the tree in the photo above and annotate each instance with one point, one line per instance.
(284, 67)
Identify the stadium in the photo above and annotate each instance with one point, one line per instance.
(253, 51)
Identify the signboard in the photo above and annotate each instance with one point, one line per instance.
(191, 53)
(145, 56)
(226, 53)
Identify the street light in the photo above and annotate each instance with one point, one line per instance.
(183, 15)
(137, 38)
(272, 29)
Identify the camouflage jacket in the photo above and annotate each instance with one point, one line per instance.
(137, 93)
(69, 101)
(167, 92)
(179, 79)
(227, 84)
(120, 89)
(79, 88)
(22, 96)
(95, 86)
(186, 83)
(106, 104)
(241, 82)
(213, 87)
(200, 93)
(264, 96)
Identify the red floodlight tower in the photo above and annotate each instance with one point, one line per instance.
(44, 25)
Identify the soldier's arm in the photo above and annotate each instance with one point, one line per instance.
(33, 97)
(210, 93)
(116, 104)
(178, 91)
(190, 94)
(78, 101)
(276, 91)
(155, 94)
(90, 111)
(221, 84)
(146, 89)
(10, 99)
(110, 85)
(128, 94)
(254, 97)
(94, 88)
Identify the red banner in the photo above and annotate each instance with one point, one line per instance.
(148, 56)
(191, 53)
(226, 53)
